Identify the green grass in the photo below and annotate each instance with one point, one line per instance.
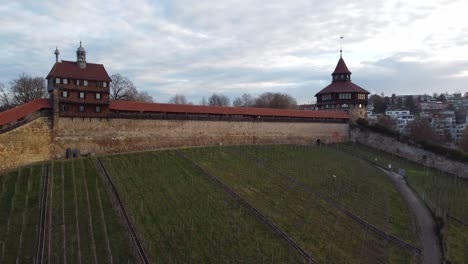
(183, 217)
(19, 207)
(326, 233)
(83, 223)
(443, 194)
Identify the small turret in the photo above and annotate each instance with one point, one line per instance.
(81, 57)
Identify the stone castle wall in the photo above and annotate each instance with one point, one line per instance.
(406, 151)
(121, 135)
(35, 141)
(26, 144)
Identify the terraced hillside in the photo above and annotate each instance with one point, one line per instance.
(328, 234)
(252, 204)
(185, 218)
(82, 224)
(19, 208)
(446, 195)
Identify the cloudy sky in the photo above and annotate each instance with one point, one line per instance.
(232, 47)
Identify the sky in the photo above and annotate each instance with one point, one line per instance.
(197, 48)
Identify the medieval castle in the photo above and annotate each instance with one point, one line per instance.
(80, 116)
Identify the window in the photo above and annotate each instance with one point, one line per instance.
(64, 108)
(78, 82)
(85, 82)
(82, 95)
(98, 109)
(104, 84)
(362, 96)
(65, 81)
(98, 96)
(81, 108)
(98, 84)
(57, 80)
(326, 97)
(65, 94)
(344, 96)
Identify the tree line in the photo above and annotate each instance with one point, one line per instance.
(264, 100)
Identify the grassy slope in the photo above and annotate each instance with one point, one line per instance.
(183, 217)
(19, 207)
(443, 193)
(78, 221)
(327, 234)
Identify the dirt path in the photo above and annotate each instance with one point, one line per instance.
(429, 239)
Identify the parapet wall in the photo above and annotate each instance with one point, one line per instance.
(122, 135)
(26, 144)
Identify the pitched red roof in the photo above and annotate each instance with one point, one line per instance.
(70, 69)
(342, 87)
(23, 110)
(341, 67)
(128, 106)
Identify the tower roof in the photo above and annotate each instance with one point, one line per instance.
(342, 85)
(80, 48)
(69, 69)
(341, 67)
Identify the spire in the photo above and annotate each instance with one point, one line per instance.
(341, 47)
(57, 53)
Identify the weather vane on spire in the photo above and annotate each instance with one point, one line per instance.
(341, 48)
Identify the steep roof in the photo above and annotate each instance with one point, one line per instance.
(342, 87)
(341, 67)
(71, 69)
(23, 110)
(197, 109)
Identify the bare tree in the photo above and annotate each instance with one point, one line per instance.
(143, 97)
(5, 98)
(387, 122)
(421, 130)
(22, 90)
(218, 100)
(121, 88)
(245, 100)
(276, 100)
(178, 99)
(203, 101)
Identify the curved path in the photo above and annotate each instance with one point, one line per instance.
(429, 239)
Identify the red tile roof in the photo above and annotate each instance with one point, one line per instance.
(70, 69)
(23, 110)
(128, 106)
(342, 87)
(341, 67)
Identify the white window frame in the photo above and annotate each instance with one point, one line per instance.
(98, 109)
(78, 82)
(65, 81)
(85, 82)
(57, 80)
(82, 93)
(64, 94)
(98, 96)
(104, 84)
(81, 108)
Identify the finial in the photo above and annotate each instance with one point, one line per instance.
(341, 48)
(57, 52)
(80, 43)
